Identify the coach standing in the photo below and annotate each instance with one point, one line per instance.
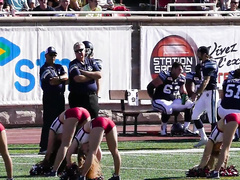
(52, 77)
(83, 73)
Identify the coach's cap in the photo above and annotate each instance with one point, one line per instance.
(50, 50)
(203, 49)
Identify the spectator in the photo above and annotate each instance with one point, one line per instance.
(18, 5)
(53, 78)
(224, 4)
(77, 4)
(2, 9)
(71, 118)
(97, 128)
(165, 92)
(43, 7)
(106, 4)
(207, 93)
(33, 4)
(5, 154)
(64, 6)
(92, 6)
(233, 7)
(53, 3)
(211, 9)
(83, 73)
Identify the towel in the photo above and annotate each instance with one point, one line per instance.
(132, 96)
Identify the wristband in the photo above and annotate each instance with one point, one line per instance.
(197, 94)
(184, 98)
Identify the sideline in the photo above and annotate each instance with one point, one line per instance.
(168, 151)
(137, 152)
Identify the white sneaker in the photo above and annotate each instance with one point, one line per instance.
(163, 131)
(195, 130)
(201, 142)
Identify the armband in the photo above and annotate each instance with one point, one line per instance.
(150, 89)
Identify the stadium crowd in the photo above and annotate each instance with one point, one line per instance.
(72, 6)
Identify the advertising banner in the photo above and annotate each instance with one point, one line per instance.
(22, 53)
(163, 45)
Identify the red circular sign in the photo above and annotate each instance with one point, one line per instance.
(170, 49)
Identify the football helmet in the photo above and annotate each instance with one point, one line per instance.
(88, 47)
(177, 129)
(99, 63)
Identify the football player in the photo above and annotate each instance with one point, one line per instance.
(193, 82)
(206, 95)
(231, 75)
(89, 55)
(166, 91)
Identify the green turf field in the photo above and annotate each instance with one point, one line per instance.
(153, 163)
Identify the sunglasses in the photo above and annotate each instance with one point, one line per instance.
(52, 54)
(79, 51)
(234, 2)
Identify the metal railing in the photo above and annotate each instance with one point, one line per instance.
(82, 14)
(169, 5)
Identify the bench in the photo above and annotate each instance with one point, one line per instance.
(133, 112)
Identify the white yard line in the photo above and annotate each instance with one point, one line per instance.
(136, 152)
